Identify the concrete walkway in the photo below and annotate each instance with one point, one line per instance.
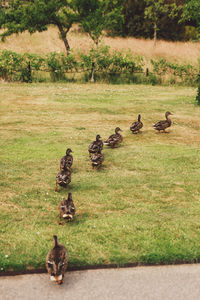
(163, 282)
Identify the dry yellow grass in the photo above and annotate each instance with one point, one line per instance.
(44, 42)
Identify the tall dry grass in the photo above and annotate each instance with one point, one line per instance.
(44, 42)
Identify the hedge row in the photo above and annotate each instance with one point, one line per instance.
(18, 67)
(26, 67)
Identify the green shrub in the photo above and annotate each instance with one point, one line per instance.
(108, 66)
(186, 74)
(198, 95)
(111, 65)
(10, 62)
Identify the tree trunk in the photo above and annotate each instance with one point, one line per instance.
(155, 35)
(63, 34)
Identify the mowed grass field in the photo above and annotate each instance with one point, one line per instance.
(142, 206)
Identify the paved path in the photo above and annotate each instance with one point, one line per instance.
(165, 282)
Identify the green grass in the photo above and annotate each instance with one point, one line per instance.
(142, 206)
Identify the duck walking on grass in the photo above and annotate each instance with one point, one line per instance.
(66, 161)
(136, 126)
(114, 139)
(96, 146)
(162, 125)
(96, 159)
(56, 262)
(63, 178)
(66, 209)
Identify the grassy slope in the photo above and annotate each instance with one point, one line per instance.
(44, 42)
(142, 206)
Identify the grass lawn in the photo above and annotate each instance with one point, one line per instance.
(142, 206)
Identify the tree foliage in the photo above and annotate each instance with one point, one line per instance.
(154, 11)
(98, 15)
(36, 15)
(139, 18)
(191, 12)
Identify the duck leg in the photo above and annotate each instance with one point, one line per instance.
(165, 131)
(56, 190)
(60, 219)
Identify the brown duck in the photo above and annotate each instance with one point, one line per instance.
(66, 209)
(162, 125)
(136, 126)
(56, 262)
(96, 159)
(114, 139)
(63, 178)
(96, 146)
(66, 161)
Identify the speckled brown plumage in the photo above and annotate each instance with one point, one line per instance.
(97, 159)
(63, 178)
(95, 146)
(136, 126)
(162, 125)
(114, 139)
(66, 161)
(56, 262)
(66, 209)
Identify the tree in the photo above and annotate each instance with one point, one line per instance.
(98, 15)
(35, 15)
(191, 12)
(155, 9)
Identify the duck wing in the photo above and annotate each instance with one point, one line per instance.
(63, 178)
(136, 126)
(94, 147)
(161, 125)
(97, 159)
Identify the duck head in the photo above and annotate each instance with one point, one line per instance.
(98, 137)
(168, 113)
(68, 151)
(117, 130)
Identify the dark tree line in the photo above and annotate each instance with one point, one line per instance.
(172, 24)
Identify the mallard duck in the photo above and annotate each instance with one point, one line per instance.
(63, 178)
(66, 161)
(96, 159)
(162, 125)
(56, 262)
(136, 126)
(96, 146)
(66, 209)
(114, 139)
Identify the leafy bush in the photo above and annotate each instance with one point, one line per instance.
(185, 73)
(10, 62)
(104, 64)
(110, 64)
(198, 95)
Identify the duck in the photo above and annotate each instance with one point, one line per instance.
(97, 159)
(162, 125)
(57, 261)
(63, 178)
(114, 139)
(66, 161)
(96, 146)
(136, 126)
(66, 209)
